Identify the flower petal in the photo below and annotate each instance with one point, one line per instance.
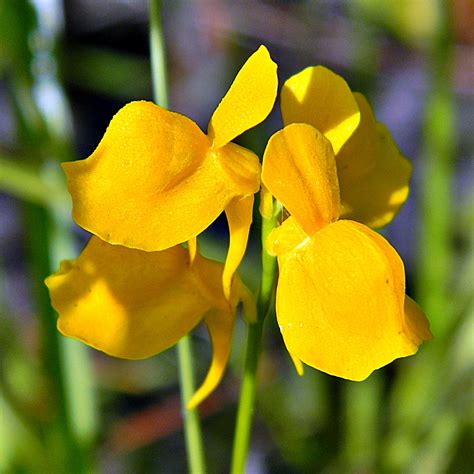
(239, 218)
(249, 301)
(417, 325)
(299, 169)
(360, 152)
(126, 302)
(375, 198)
(340, 302)
(248, 101)
(220, 325)
(323, 99)
(298, 364)
(266, 203)
(286, 237)
(373, 174)
(153, 181)
(192, 249)
(220, 319)
(142, 311)
(240, 168)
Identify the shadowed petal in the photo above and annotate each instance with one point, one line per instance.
(375, 198)
(125, 302)
(248, 101)
(417, 325)
(373, 174)
(340, 302)
(360, 152)
(322, 99)
(134, 304)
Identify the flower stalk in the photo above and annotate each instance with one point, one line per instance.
(253, 349)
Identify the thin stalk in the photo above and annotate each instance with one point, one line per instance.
(158, 58)
(191, 420)
(252, 355)
(192, 425)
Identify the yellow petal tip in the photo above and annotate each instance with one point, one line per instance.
(248, 101)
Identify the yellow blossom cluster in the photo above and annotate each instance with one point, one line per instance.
(157, 181)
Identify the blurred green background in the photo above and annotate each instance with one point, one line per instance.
(66, 68)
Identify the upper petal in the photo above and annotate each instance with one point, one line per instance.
(248, 101)
(126, 302)
(323, 99)
(299, 169)
(153, 181)
(340, 302)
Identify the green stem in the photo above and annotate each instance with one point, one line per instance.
(192, 425)
(252, 355)
(157, 52)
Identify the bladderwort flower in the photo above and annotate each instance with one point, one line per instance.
(134, 304)
(154, 182)
(340, 303)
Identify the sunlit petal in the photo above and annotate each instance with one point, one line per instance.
(248, 101)
(239, 218)
(340, 302)
(323, 99)
(153, 182)
(220, 325)
(123, 190)
(299, 169)
(125, 302)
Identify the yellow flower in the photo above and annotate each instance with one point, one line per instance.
(373, 175)
(340, 303)
(134, 304)
(156, 180)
